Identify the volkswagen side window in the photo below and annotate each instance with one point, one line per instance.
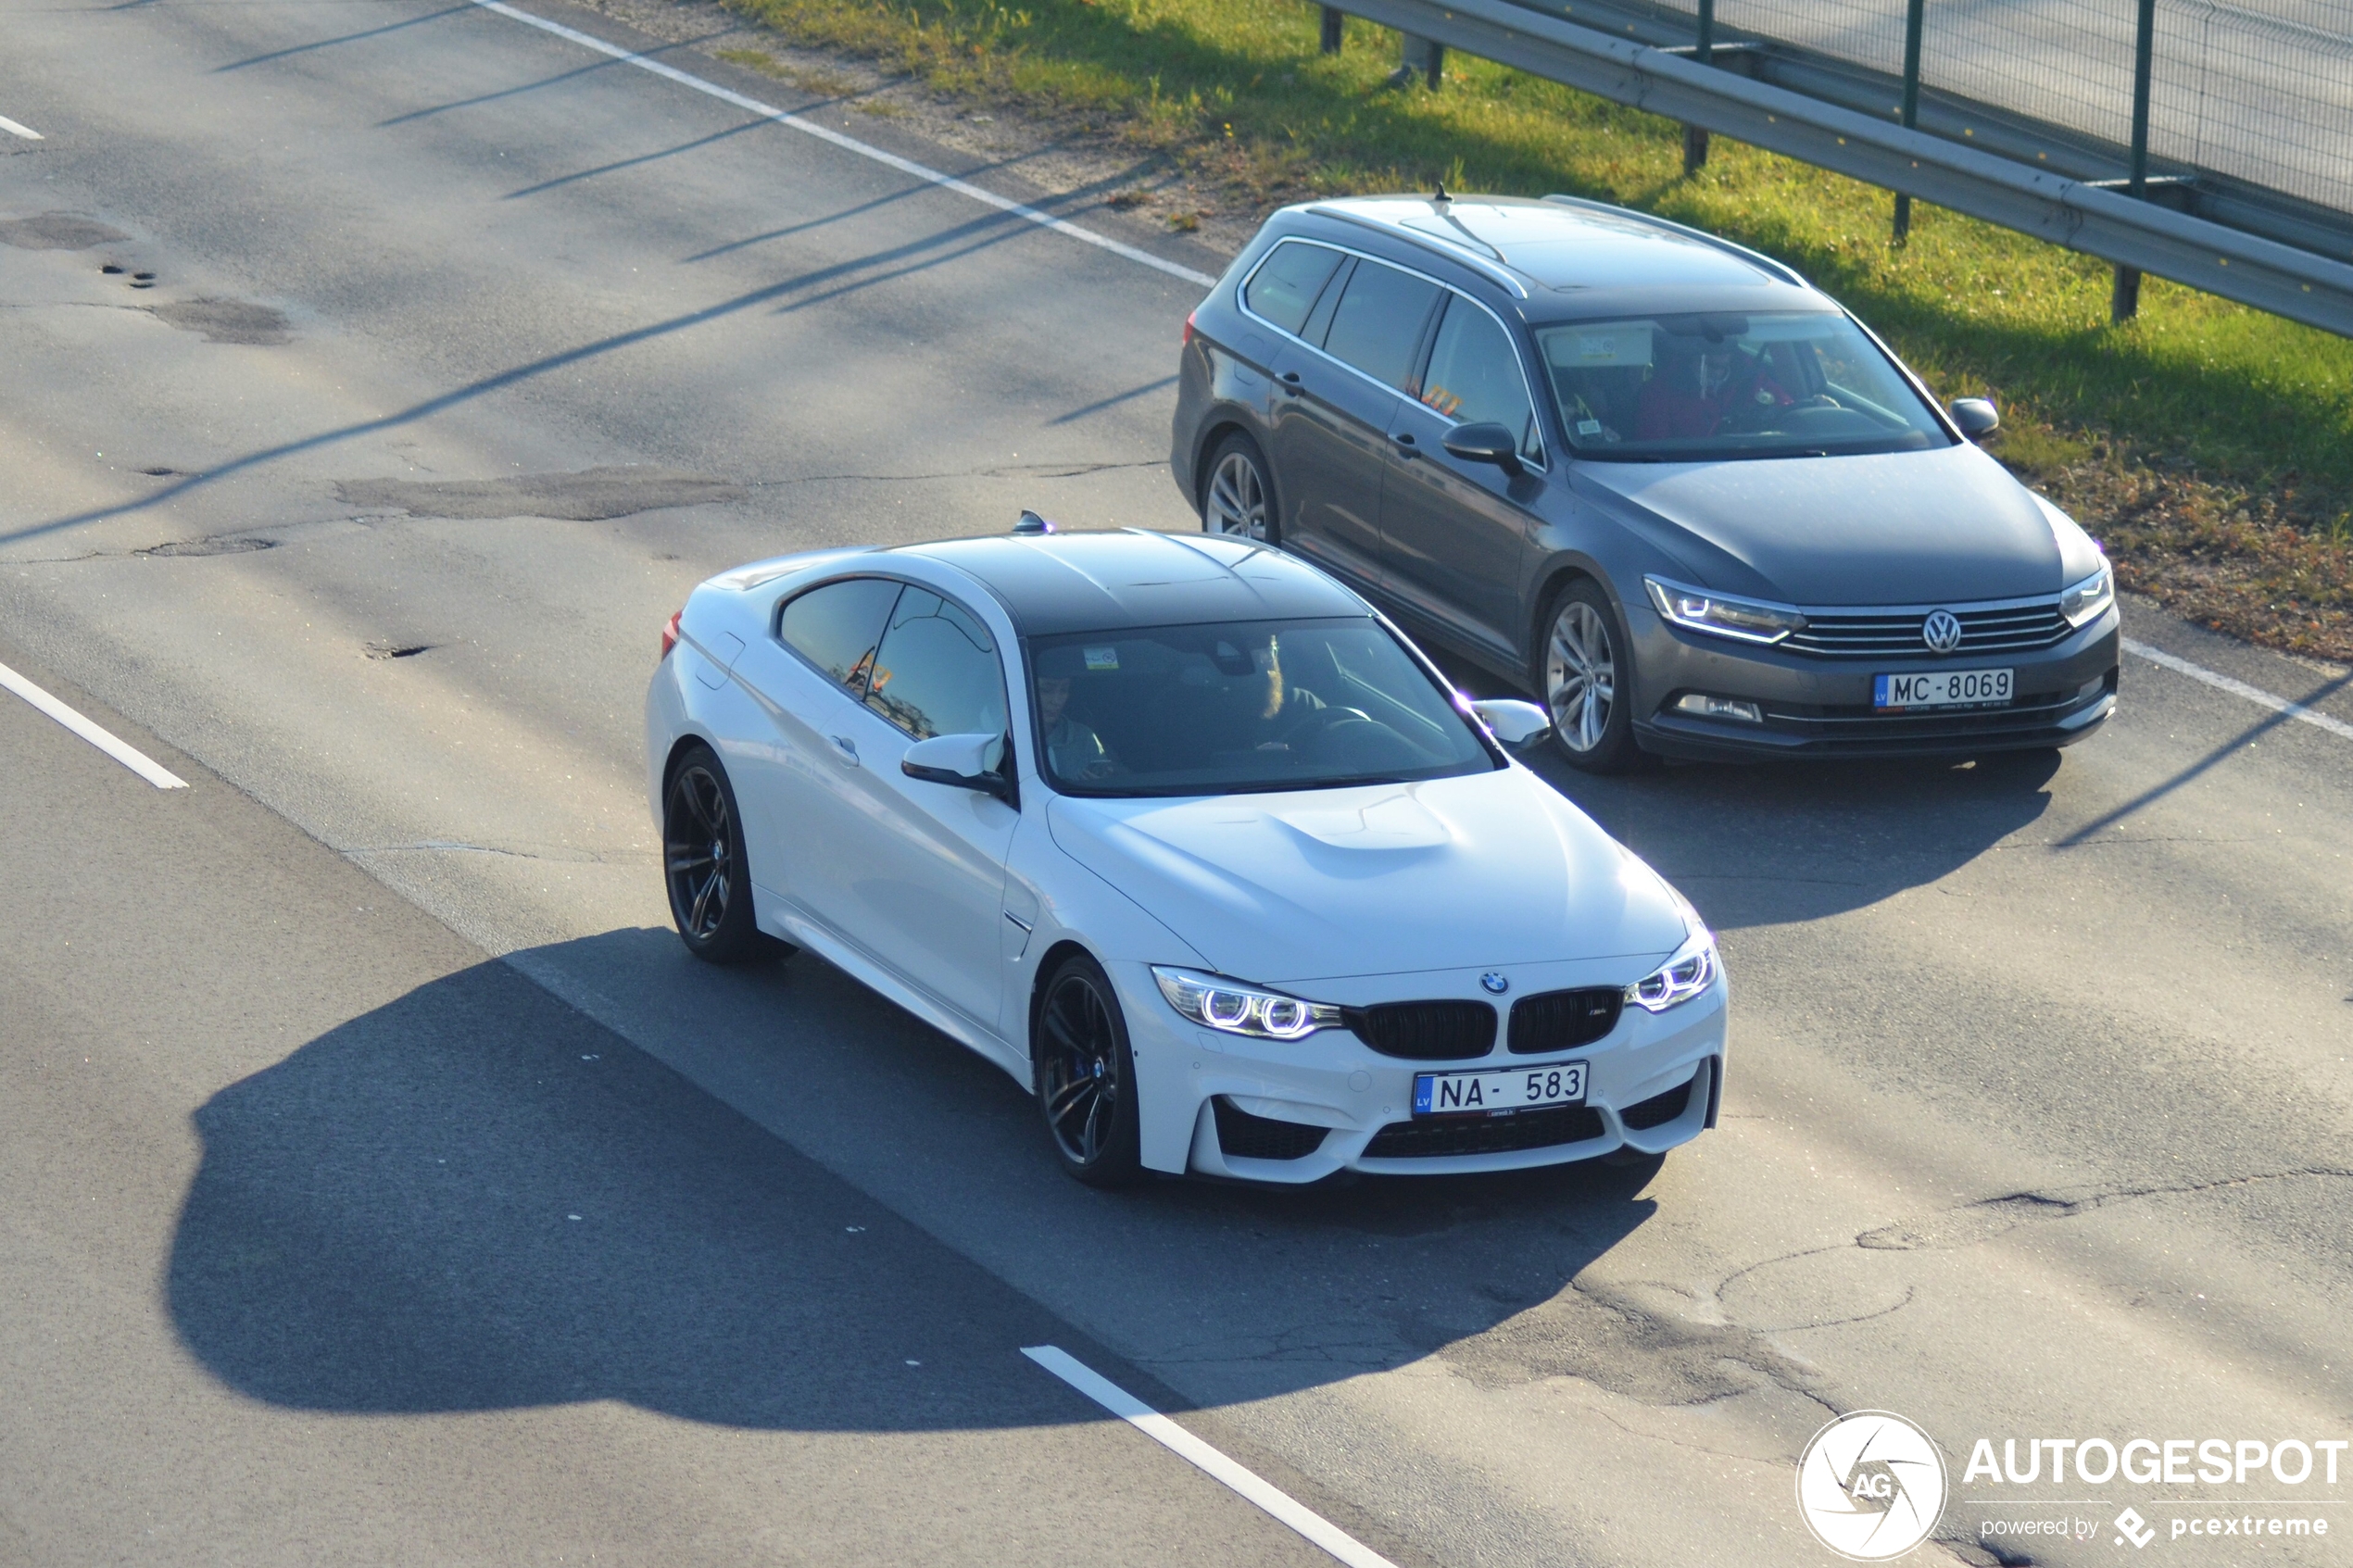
(938, 674)
(1285, 288)
(837, 626)
(1379, 325)
(1474, 375)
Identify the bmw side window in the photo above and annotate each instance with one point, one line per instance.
(938, 672)
(1379, 325)
(836, 627)
(1284, 290)
(1474, 376)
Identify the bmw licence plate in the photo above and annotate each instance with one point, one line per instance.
(1524, 1088)
(1942, 688)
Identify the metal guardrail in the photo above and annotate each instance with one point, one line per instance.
(2076, 213)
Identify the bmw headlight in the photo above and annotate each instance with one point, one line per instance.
(1691, 971)
(1750, 621)
(2082, 602)
(1233, 1008)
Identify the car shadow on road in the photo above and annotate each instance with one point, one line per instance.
(475, 1197)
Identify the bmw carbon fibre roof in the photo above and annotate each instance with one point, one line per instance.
(1057, 582)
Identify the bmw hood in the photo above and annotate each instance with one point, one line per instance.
(1943, 526)
(1491, 869)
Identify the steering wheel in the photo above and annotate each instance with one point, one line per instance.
(1322, 719)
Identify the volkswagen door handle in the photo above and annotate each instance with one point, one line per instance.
(1407, 447)
(846, 747)
(1290, 383)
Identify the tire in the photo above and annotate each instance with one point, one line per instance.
(704, 866)
(1584, 670)
(1238, 493)
(1086, 1076)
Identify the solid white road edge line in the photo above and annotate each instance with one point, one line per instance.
(1175, 1438)
(129, 757)
(851, 143)
(2256, 695)
(13, 129)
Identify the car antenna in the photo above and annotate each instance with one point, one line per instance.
(1031, 523)
(1440, 195)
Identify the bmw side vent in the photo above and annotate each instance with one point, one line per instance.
(1244, 1137)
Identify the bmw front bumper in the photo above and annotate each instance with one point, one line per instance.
(1335, 1083)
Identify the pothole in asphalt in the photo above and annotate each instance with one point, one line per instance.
(110, 269)
(591, 496)
(156, 473)
(395, 650)
(57, 231)
(224, 321)
(238, 546)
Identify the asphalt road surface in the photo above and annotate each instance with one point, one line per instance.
(465, 352)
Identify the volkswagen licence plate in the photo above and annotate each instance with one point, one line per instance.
(1942, 688)
(1520, 1088)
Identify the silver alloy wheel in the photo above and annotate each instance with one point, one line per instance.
(1580, 676)
(1237, 503)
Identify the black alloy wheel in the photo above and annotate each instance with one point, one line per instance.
(1586, 673)
(1087, 1076)
(1238, 499)
(703, 863)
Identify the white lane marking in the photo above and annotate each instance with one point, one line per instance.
(129, 756)
(2239, 688)
(851, 143)
(1170, 1435)
(13, 129)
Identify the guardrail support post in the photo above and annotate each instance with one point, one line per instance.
(1696, 139)
(1334, 20)
(1913, 17)
(2125, 303)
(1425, 57)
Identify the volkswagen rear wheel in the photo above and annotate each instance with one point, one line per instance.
(1239, 500)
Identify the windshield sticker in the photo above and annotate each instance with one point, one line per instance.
(1103, 658)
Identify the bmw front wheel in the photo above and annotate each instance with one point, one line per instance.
(1239, 500)
(1087, 1076)
(1586, 672)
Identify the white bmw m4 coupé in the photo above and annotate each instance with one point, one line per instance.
(1188, 839)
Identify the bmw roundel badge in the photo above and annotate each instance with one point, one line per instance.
(1494, 983)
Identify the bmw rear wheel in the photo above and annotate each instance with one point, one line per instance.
(1239, 500)
(703, 863)
(1586, 674)
(1087, 1076)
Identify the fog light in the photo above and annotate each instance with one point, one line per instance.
(1699, 705)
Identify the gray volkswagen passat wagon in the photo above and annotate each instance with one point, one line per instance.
(1654, 477)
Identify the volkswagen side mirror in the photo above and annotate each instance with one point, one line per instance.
(1976, 417)
(1485, 444)
(963, 762)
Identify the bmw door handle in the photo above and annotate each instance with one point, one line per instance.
(846, 748)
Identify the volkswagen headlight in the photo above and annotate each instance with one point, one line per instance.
(1691, 971)
(2083, 601)
(1233, 1008)
(1750, 621)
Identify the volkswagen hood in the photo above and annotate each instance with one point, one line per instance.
(1944, 526)
(1286, 888)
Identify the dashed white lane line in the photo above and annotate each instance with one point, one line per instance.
(13, 129)
(1175, 1438)
(851, 143)
(129, 756)
(2239, 688)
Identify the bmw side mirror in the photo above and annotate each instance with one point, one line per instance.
(963, 762)
(1485, 444)
(1514, 723)
(1976, 417)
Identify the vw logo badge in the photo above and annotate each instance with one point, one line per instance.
(1941, 631)
(1494, 983)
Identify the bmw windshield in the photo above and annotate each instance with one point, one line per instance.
(1238, 708)
(1714, 385)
